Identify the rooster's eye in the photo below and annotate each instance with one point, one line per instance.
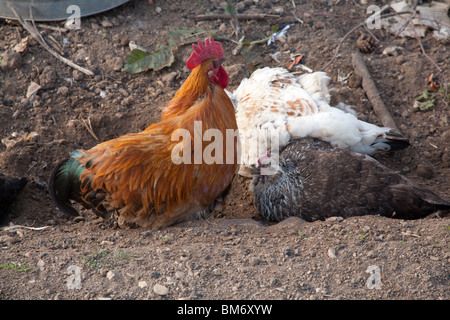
(215, 64)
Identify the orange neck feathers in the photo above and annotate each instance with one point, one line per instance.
(191, 90)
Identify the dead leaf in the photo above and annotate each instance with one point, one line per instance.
(22, 46)
(32, 89)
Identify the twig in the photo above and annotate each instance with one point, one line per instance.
(372, 92)
(361, 24)
(340, 43)
(88, 126)
(12, 228)
(35, 34)
(56, 45)
(410, 234)
(295, 16)
(46, 26)
(256, 16)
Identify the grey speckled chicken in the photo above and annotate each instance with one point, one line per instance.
(314, 181)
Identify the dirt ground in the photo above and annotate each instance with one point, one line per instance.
(235, 254)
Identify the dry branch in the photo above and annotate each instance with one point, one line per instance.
(35, 33)
(372, 93)
(257, 16)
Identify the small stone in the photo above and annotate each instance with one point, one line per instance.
(11, 60)
(254, 261)
(160, 290)
(132, 45)
(331, 253)
(32, 89)
(81, 55)
(334, 219)
(106, 23)
(180, 275)
(110, 275)
(48, 78)
(170, 77)
(425, 171)
(124, 41)
(319, 25)
(77, 75)
(62, 91)
(278, 10)
(445, 159)
(142, 284)
(392, 50)
(223, 28)
(115, 63)
(40, 264)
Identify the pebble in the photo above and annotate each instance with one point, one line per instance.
(425, 171)
(106, 23)
(334, 219)
(124, 41)
(331, 253)
(110, 275)
(62, 91)
(132, 45)
(32, 89)
(254, 261)
(115, 63)
(392, 50)
(319, 25)
(142, 284)
(11, 60)
(160, 290)
(170, 77)
(48, 78)
(40, 264)
(81, 55)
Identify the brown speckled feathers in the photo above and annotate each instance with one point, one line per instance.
(315, 181)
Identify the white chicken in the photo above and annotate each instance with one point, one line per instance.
(274, 106)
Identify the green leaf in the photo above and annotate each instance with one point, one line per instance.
(139, 61)
(231, 11)
(275, 28)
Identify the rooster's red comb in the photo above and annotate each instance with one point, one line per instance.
(203, 52)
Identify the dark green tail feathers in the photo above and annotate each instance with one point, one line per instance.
(65, 185)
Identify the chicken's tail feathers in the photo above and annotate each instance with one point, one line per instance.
(391, 141)
(62, 184)
(65, 184)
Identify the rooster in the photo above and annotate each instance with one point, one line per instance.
(313, 180)
(10, 187)
(274, 106)
(135, 175)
